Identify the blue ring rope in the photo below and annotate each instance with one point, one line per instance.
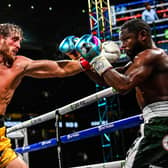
(87, 133)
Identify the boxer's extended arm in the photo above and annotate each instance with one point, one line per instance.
(49, 69)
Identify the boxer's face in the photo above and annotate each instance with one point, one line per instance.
(131, 43)
(9, 46)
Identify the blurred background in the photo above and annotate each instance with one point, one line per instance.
(45, 24)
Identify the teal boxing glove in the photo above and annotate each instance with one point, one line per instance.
(88, 46)
(67, 46)
(97, 54)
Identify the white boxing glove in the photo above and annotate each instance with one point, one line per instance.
(111, 51)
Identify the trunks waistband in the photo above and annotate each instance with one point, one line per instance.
(157, 109)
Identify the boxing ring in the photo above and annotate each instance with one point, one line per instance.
(21, 128)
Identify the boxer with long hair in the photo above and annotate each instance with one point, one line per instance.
(13, 69)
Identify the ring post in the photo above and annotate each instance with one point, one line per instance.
(57, 119)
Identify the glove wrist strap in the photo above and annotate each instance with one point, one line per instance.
(84, 64)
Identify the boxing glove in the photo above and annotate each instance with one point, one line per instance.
(88, 46)
(111, 51)
(100, 56)
(67, 46)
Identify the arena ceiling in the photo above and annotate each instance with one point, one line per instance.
(46, 21)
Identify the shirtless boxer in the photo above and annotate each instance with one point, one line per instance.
(148, 73)
(12, 70)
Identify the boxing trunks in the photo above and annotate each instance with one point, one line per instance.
(7, 154)
(150, 149)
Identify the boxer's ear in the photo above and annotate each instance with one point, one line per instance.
(142, 35)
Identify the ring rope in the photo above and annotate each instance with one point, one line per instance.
(87, 133)
(114, 164)
(65, 109)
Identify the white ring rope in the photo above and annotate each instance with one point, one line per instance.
(114, 164)
(65, 109)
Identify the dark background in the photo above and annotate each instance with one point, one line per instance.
(44, 30)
